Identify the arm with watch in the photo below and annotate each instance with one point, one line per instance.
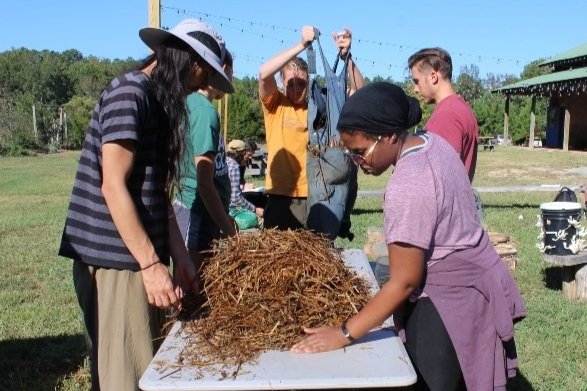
(407, 263)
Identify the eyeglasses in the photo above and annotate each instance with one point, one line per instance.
(361, 158)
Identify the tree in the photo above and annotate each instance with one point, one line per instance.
(16, 125)
(488, 109)
(245, 118)
(494, 81)
(533, 69)
(79, 111)
(468, 83)
(378, 78)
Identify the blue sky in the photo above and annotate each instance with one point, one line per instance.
(498, 36)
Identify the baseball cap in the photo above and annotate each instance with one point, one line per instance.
(236, 146)
(185, 31)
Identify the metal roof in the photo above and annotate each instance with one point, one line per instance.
(563, 82)
(577, 54)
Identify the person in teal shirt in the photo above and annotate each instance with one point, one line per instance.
(202, 200)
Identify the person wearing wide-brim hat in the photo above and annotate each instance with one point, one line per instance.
(453, 299)
(120, 230)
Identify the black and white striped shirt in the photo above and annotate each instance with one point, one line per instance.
(127, 110)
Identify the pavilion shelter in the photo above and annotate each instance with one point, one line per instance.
(565, 86)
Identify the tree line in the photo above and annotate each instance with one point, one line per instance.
(46, 100)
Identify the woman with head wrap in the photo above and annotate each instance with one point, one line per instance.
(453, 300)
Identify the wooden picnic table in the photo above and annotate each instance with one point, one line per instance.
(487, 142)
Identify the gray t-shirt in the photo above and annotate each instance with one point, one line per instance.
(429, 201)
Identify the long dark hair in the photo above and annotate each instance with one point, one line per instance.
(175, 62)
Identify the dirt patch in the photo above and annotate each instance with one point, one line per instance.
(581, 171)
(523, 172)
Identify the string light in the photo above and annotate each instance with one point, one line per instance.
(274, 27)
(563, 87)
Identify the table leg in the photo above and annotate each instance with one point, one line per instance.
(581, 282)
(569, 283)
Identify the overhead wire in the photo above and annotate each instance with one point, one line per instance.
(245, 26)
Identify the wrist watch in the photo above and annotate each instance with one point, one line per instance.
(346, 333)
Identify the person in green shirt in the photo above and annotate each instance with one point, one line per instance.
(202, 200)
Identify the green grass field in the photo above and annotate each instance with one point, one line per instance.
(41, 334)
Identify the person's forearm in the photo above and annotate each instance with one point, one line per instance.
(408, 264)
(379, 308)
(355, 77)
(271, 67)
(213, 204)
(244, 203)
(126, 219)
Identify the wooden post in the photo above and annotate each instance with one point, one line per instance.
(566, 129)
(225, 117)
(581, 278)
(506, 119)
(34, 122)
(65, 125)
(155, 13)
(59, 134)
(532, 122)
(569, 284)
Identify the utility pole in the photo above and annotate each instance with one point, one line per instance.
(60, 124)
(225, 117)
(155, 13)
(34, 122)
(64, 125)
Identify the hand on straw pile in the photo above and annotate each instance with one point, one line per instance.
(322, 339)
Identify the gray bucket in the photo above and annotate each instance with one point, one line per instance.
(557, 230)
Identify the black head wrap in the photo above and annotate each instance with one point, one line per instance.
(379, 108)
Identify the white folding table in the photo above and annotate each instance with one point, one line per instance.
(376, 360)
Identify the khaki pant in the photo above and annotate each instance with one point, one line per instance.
(120, 323)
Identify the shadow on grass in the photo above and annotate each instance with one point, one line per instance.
(519, 383)
(509, 206)
(362, 211)
(553, 278)
(39, 363)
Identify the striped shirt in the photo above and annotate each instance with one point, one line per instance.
(127, 110)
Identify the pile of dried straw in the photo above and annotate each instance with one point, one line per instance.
(262, 288)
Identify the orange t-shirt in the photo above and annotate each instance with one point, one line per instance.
(286, 133)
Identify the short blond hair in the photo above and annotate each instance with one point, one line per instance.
(296, 63)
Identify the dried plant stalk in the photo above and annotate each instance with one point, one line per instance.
(262, 288)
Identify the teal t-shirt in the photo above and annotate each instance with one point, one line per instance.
(203, 137)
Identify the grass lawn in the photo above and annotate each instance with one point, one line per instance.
(41, 335)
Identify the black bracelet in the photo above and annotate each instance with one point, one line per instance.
(346, 332)
(149, 266)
